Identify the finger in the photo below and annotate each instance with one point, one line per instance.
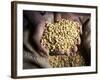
(44, 52)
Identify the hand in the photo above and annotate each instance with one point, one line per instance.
(34, 32)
